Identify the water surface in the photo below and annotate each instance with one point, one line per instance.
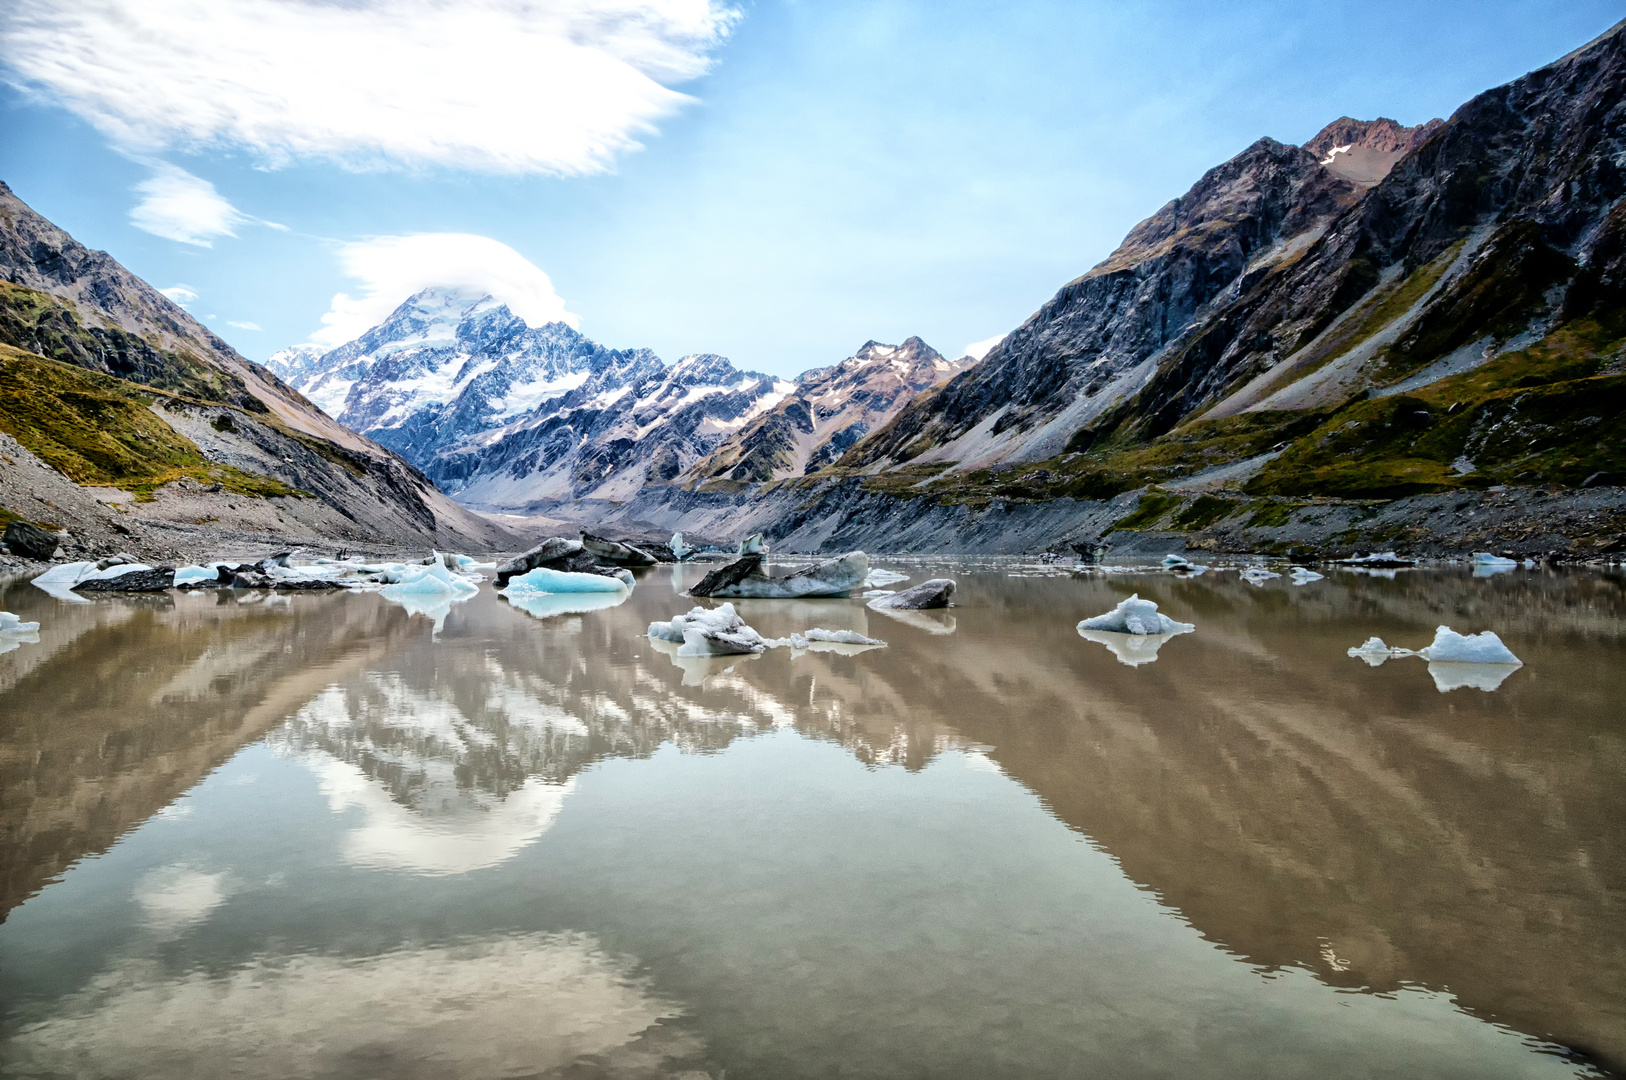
(314, 837)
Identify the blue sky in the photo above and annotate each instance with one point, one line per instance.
(774, 181)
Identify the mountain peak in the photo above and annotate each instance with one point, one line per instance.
(1363, 151)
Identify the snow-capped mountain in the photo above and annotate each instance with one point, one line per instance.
(506, 414)
(831, 409)
(600, 442)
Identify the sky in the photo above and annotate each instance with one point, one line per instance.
(777, 181)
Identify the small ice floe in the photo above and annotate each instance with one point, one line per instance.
(1301, 575)
(60, 580)
(1133, 631)
(879, 578)
(715, 631)
(680, 551)
(755, 544)
(1481, 648)
(1374, 651)
(1136, 616)
(428, 590)
(1488, 565)
(1171, 561)
(1378, 560)
(1258, 575)
(14, 633)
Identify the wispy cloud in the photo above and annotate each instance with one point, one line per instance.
(176, 205)
(979, 349)
(512, 86)
(181, 294)
(392, 268)
(244, 325)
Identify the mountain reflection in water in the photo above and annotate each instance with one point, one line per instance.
(322, 800)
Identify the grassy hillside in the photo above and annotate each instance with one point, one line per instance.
(99, 430)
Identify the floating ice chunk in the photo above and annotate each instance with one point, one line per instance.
(196, 575)
(721, 618)
(1374, 651)
(819, 639)
(1258, 575)
(755, 544)
(544, 580)
(744, 579)
(680, 551)
(60, 580)
(13, 624)
(1529, 564)
(1136, 616)
(1171, 561)
(879, 578)
(1380, 560)
(715, 631)
(1482, 648)
(433, 580)
(546, 605)
(1130, 649)
(1303, 576)
(1485, 558)
(1451, 675)
(935, 593)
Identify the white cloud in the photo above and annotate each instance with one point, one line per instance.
(979, 349)
(179, 206)
(392, 268)
(510, 86)
(181, 294)
(244, 325)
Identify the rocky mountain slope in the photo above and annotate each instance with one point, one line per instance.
(119, 404)
(830, 410)
(1309, 333)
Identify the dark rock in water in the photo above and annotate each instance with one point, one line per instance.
(303, 584)
(725, 576)
(250, 579)
(928, 594)
(155, 580)
(30, 541)
(1089, 551)
(613, 551)
(554, 553)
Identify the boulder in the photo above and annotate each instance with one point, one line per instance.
(555, 553)
(155, 580)
(31, 541)
(615, 552)
(929, 594)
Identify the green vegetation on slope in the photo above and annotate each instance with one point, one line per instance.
(95, 429)
(40, 323)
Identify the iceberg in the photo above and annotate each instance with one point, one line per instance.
(755, 544)
(879, 578)
(1258, 575)
(204, 574)
(1303, 576)
(1171, 561)
(544, 580)
(715, 631)
(1488, 565)
(606, 550)
(1482, 648)
(680, 551)
(744, 579)
(1132, 650)
(1136, 616)
(845, 642)
(428, 590)
(59, 581)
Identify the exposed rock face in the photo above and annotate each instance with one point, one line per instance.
(1292, 278)
(830, 410)
(30, 541)
(615, 552)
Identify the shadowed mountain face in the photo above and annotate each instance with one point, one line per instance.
(1299, 808)
(1375, 259)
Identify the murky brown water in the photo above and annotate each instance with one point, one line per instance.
(313, 838)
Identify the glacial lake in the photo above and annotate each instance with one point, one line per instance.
(311, 836)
